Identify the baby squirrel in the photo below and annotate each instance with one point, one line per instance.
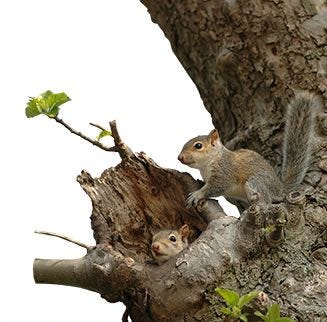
(245, 174)
(168, 243)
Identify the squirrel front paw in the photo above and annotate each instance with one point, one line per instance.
(194, 198)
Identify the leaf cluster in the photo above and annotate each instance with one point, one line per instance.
(47, 103)
(235, 302)
(273, 315)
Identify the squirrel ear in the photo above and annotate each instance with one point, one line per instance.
(184, 231)
(213, 136)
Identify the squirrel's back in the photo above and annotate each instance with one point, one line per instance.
(298, 139)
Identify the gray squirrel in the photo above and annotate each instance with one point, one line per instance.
(168, 243)
(243, 174)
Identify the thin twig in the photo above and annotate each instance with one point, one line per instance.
(63, 237)
(99, 127)
(81, 135)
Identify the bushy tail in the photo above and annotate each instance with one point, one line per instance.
(298, 139)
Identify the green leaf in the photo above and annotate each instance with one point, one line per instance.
(247, 298)
(47, 103)
(31, 109)
(103, 133)
(273, 312)
(46, 94)
(230, 297)
(226, 310)
(243, 317)
(53, 101)
(53, 112)
(236, 312)
(260, 315)
(56, 99)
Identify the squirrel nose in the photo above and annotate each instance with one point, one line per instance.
(181, 158)
(155, 248)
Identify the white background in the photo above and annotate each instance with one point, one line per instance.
(114, 63)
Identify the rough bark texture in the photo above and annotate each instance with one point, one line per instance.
(247, 59)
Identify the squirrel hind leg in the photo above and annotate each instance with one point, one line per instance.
(263, 190)
(252, 193)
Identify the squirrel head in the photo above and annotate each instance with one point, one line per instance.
(197, 152)
(168, 243)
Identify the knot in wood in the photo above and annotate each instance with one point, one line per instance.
(155, 191)
(200, 207)
(254, 210)
(296, 198)
(253, 213)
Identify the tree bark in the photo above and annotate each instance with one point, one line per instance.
(247, 59)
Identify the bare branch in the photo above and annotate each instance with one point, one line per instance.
(81, 135)
(120, 147)
(65, 238)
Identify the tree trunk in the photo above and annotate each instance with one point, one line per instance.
(247, 59)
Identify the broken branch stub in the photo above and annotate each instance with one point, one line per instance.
(135, 199)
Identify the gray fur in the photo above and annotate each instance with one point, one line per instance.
(245, 174)
(298, 139)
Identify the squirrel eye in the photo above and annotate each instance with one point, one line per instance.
(172, 238)
(198, 145)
